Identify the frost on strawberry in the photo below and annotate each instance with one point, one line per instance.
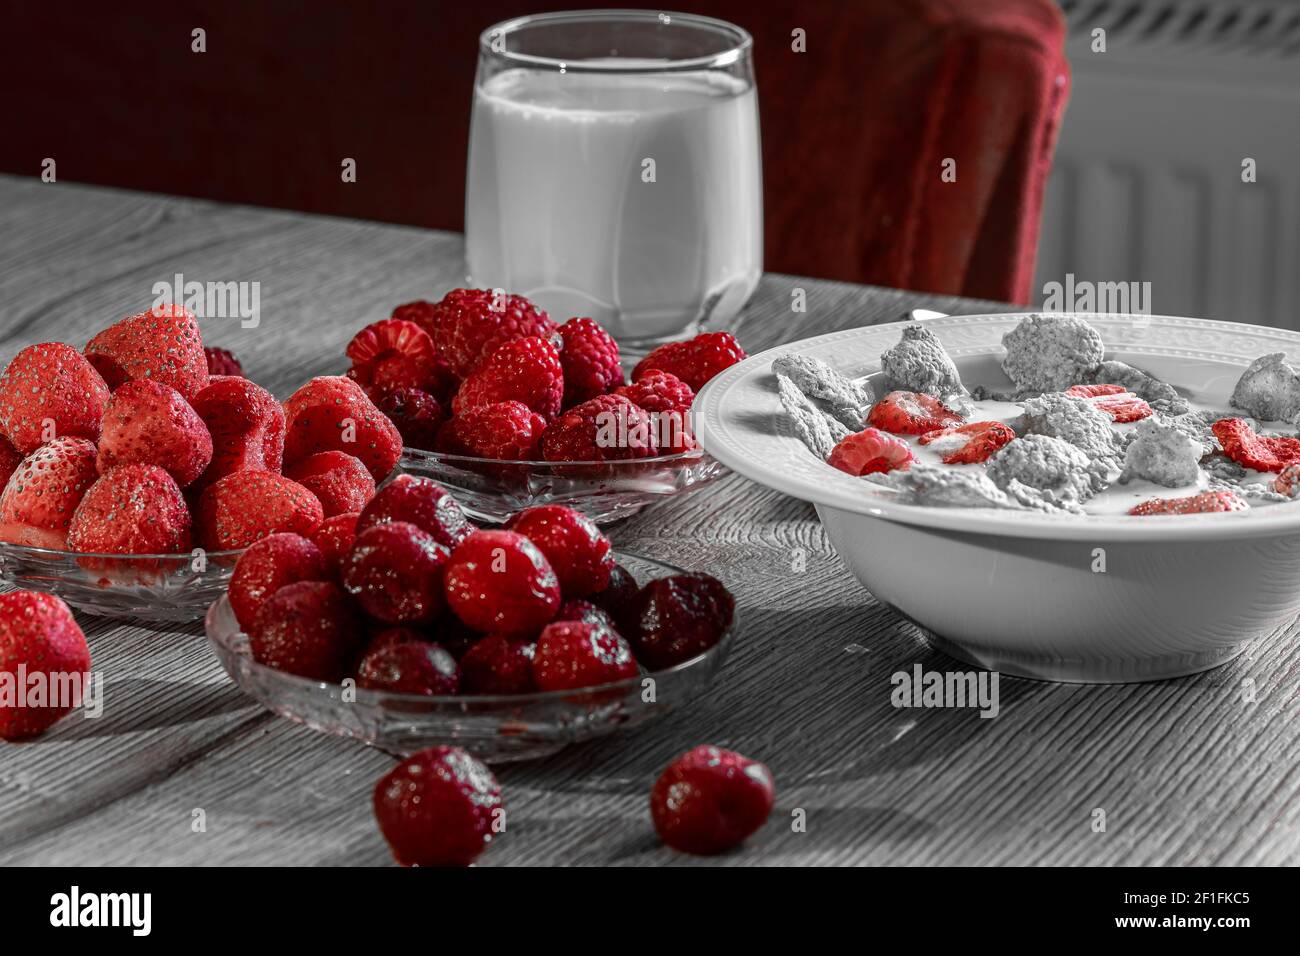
(1261, 452)
(969, 444)
(50, 391)
(1209, 501)
(912, 413)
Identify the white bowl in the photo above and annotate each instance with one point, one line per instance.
(1024, 593)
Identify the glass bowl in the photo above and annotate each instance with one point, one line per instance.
(496, 728)
(605, 491)
(150, 587)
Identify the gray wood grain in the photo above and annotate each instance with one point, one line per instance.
(1187, 772)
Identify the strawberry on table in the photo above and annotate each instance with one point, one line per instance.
(147, 422)
(340, 482)
(246, 424)
(38, 634)
(50, 391)
(971, 443)
(41, 496)
(470, 324)
(912, 413)
(870, 451)
(132, 509)
(694, 361)
(523, 370)
(246, 506)
(162, 344)
(333, 413)
(1124, 408)
(1094, 391)
(590, 361)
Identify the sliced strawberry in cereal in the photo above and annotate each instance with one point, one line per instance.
(969, 444)
(1288, 481)
(1094, 391)
(1261, 452)
(912, 413)
(870, 451)
(1203, 503)
(1123, 408)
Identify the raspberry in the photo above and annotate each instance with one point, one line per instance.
(618, 597)
(970, 443)
(393, 354)
(668, 400)
(269, 565)
(335, 537)
(38, 635)
(1195, 504)
(506, 431)
(1124, 408)
(573, 654)
(870, 451)
(575, 547)
(40, 498)
(590, 361)
(421, 502)
(332, 413)
(912, 413)
(694, 361)
(248, 505)
(417, 415)
(576, 609)
(246, 424)
(605, 428)
(409, 667)
(710, 800)
(422, 312)
(222, 362)
(679, 617)
(131, 509)
(394, 571)
(339, 481)
(148, 423)
(306, 628)
(467, 328)
(162, 344)
(50, 391)
(439, 807)
(500, 582)
(522, 370)
(498, 665)
(1261, 452)
(1094, 391)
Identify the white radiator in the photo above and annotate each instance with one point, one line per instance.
(1147, 179)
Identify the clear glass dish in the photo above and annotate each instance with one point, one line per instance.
(496, 728)
(150, 587)
(605, 491)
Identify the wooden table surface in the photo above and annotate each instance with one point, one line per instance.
(1187, 771)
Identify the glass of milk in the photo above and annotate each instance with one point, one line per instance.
(614, 170)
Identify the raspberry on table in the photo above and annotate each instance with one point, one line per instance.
(394, 354)
(394, 572)
(870, 451)
(500, 582)
(679, 617)
(523, 370)
(577, 549)
(606, 428)
(574, 654)
(590, 360)
(710, 800)
(694, 361)
(470, 324)
(668, 400)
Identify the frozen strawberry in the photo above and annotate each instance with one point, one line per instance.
(246, 424)
(575, 547)
(506, 431)
(710, 800)
(148, 423)
(500, 582)
(269, 565)
(523, 370)
(470, 324)
(870, 451)
(1261, 452)
(1094, 391)
(1123, 408)
(222, 362)
(132, 509)
(307, 628)
(970, 443)
(677, 618)
(10, 459)
(41, 496)
(606, 428)
(162, 344)
(417, 415)
(50, 391)
(338, 480)
(332, 413)
(439, 807)
(421, 502)
(912, 413)
(577, 609)
(694, 361)
(668, 400)
(335, 538)
(39, 637)
(1207, 501)
(590, 361)
(409, 667)
(498, 665)
(249, 505)
(572, 654)
(619, 596)
(394, 572)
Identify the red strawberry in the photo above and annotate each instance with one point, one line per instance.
(668, 400)
(575, 547)
(970, 443)
(498, 665)
(269, 565)
(41, 496)
(694, 361)
(422, 502)
(50, 391)
(1124, 408)
(590, 361)
(1261, 452)
(470, 324)
(522, 370)
(417, 415)
(1094, 391)
(606, 428)
(506, 431)
(572, 654)
(162, 344)
(132, 509)
(10, 459)
(394, 572)
(332, 413)
(339, 481)
(439, 807)
(1207, 501)
(710, 800)
(500, 582)
(335, 537)
(870, 451)
(147, 422)
(246, 424)
(912, 413)
(1287, 481)
(409, 667)
(222, 362)
(679, 617)
(307, 628)
(39, 636)
(249, 505)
